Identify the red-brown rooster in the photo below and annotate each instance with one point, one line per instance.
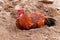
(32, 20)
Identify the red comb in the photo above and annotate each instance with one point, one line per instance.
(20, 12)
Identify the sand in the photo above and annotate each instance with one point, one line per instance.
(9, 30)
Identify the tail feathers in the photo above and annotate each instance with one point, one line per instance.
(50, 22)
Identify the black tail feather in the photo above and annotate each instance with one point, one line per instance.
(50, 22)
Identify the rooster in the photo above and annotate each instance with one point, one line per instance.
(32, 20)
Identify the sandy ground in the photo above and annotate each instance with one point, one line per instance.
(9, 31)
